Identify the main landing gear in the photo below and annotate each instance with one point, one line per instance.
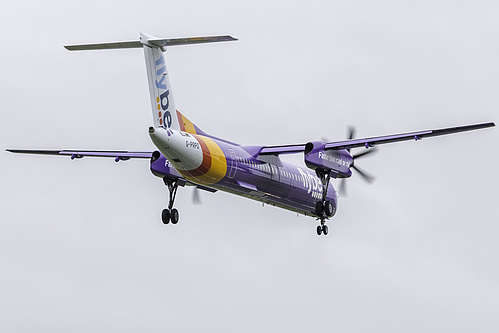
(324, 208)
(170, 213)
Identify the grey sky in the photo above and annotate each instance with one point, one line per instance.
(82, 246)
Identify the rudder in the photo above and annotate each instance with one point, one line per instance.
(162, 101)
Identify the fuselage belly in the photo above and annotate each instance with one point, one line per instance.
(231, 168)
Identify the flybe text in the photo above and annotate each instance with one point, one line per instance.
(163, 101)
(312, 183)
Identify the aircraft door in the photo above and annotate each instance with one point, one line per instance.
(233, 164)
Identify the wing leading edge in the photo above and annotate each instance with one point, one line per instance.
(272, 150)
(371, 142)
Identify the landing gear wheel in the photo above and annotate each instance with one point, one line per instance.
(170, 214)
(165, 216)
(174, 215)
(319, 230)
(328, 208)
(319, 208)
(325, 229)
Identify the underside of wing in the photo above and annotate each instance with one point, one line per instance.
(373, 141)
(118, 155)
(286, 149)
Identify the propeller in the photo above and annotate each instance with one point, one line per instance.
(351, 133)
(365, 176)
(196, 198)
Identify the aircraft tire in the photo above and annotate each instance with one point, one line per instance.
(174, 216)
(328, 208)
(325, 229)
(165, 216)
(319, 208)
(319, 230)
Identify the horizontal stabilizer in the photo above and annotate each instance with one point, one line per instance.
(150, 41)
(104, 46)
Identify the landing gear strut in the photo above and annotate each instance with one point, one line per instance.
(170, 213)
(324, 208)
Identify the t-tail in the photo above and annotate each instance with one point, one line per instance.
(164, 113)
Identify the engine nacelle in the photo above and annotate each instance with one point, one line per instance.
(161, 167)
(338, 161)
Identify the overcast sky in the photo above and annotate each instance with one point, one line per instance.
(82, 246)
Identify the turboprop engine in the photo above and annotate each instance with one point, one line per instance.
(161, 167)
(320, 160)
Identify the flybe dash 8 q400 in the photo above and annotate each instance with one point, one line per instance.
(186, 155)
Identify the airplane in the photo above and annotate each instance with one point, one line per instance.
(186, 155)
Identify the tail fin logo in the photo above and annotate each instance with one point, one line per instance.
(160, 69)
(163, 101)
(163, 104)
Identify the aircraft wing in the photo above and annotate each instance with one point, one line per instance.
(371, 142)
(119, 155)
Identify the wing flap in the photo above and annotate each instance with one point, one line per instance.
(286, 149)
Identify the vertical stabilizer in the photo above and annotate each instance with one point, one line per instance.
(162, 102)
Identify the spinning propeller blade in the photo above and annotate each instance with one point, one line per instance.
(351, 134)
(343, 188)
(367, 152)
(365, 176)
(196, 198)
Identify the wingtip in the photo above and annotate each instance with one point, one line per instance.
(227, 38)
(486, 125)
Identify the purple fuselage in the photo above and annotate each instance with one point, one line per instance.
(264, 178)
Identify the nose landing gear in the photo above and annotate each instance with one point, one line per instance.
(170, 213)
